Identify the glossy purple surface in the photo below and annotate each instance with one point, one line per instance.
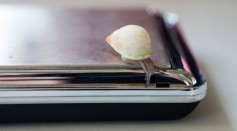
(55, 37)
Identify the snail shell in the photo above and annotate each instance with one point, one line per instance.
(132, 42)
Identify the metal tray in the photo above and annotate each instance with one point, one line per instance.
(59, 56)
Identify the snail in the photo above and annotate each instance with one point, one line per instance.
(131, 42)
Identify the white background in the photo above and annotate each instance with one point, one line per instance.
(210, 28)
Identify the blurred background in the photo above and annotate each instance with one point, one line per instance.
(209, 27)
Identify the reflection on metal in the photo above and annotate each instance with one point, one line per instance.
(181, 75)
(50, 80)
(72, 95)
(150, 69)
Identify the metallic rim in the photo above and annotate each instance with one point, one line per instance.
(103, 96)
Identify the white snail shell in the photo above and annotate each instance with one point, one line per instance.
(132, 42)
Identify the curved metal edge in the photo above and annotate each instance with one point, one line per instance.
(186, 60)
(104, 96)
